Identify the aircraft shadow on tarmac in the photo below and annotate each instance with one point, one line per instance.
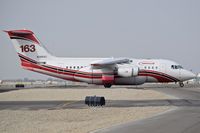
(57, 105)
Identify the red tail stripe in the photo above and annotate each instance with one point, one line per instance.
(22, 34)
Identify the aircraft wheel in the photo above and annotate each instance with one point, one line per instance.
(181, 84)
(107, 85)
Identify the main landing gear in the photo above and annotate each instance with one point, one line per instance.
(181, 84)
(107, 85)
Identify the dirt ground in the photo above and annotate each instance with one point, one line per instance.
(74, 120)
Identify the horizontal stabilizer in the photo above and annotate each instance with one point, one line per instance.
(19, 31)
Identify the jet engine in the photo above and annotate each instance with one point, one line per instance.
(128, 71)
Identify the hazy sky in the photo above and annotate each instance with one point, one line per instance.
(167, 29)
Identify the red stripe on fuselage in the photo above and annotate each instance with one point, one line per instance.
(158, 77)
(30, 66)
(160, 74)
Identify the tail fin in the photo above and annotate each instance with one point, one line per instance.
(28, 47)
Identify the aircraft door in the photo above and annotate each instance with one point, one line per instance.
(163, 68)
(179, 72)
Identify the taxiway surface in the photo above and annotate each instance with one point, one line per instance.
(184, 119)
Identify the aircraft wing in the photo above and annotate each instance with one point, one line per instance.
(110, 61)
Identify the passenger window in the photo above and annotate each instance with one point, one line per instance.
(77, 67)
(145, 67)
(70, 67)
(148, 67)
(152, 67)
(156, 67)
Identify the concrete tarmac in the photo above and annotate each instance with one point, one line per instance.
(56, 105)
(184, 119)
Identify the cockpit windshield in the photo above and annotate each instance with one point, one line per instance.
(176, 67)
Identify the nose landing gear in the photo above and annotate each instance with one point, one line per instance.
(181, 84)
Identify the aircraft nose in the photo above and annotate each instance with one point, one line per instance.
(187, 75)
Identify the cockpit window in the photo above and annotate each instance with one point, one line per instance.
(179, 66)
(176, 67)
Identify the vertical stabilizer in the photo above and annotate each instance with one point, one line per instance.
(28, 47)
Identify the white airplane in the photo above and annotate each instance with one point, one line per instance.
(100, 71)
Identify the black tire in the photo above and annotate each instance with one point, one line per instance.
(107, 85)
(181, 84)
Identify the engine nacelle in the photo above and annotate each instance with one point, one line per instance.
(128, 71)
